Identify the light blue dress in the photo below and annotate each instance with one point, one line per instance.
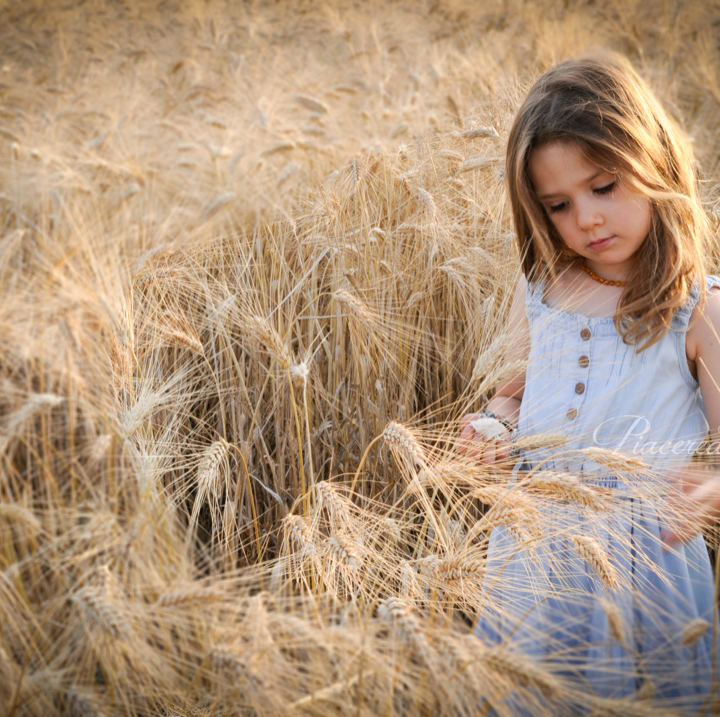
(620, 617)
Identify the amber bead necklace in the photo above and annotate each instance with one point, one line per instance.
(606, 282)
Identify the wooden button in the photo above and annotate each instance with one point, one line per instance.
(579, 388)
(585, 334)
(583, 362)
(572, 414)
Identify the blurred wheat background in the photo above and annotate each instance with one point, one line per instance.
(255, 260)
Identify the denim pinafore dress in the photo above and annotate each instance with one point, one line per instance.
(588, 589)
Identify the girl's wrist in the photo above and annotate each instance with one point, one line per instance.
(500, 419)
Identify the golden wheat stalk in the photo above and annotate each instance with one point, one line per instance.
(99, 612)
(590, 551)
(299, 533)
(402, 439)
(454, 569)
(209, 476)
(20, 515)
(567, 487)
(521, 671)
(693, 631)
(344, 550)
(626, 708)
(269, 339)
(397, 612)
(616, 623)
(614, 460)
(336, 506)
(356, 307)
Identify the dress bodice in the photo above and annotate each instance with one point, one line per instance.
(584, 382)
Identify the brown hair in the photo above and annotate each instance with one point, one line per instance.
(605, 109)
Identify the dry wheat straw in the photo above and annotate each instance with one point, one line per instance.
(590, 550)
(209, 476)
(476, 132)
(345, 550)
(427, 201)
(14, 513)
(80, 705)
(477, 163)
(269, 339)
(397, 612)
(491, 494)
(450, 154)
(521, 671)
(187, 338)
(693, 631)
(616, 623)
(191, 595)
(332, 502)
(357, 307)
(404, 440)
(614, 460)
(99, 612)
(300, 533)
(459, 569)
(226, 661)
(310, 103)
(35, 403)
(647, 690)
(567, 487)
(626, 708)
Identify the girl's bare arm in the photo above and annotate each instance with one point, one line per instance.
(699, 501)
(507, 399)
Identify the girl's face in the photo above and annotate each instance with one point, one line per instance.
(595, 214)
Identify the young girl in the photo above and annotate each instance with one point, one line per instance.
(619, 324)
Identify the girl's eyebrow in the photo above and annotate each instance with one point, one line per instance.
(585, 181)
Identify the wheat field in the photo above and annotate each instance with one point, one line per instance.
(255, 264)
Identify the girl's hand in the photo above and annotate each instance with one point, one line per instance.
(484, 439)
(695, 504)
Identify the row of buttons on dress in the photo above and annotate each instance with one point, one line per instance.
(583, 362)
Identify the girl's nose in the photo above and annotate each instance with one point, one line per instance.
(588, 215)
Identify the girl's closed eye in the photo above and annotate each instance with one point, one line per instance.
(561, 206)
(606, 189)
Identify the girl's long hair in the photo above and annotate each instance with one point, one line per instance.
(600, 105)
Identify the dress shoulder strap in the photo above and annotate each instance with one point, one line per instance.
(683, 314)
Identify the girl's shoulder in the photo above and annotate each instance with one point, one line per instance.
(687, 316)
(701, 328)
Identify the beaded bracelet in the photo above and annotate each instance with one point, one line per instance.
(500, 419)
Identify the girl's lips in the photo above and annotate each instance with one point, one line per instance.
(601, 243)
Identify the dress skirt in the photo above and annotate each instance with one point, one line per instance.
(595, 597)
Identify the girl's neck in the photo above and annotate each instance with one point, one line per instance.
(610, 272)
(605, 281)
(574, 291)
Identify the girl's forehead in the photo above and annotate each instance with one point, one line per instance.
(556, 166)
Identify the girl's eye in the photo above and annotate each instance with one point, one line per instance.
(606, 189)
(557, 207)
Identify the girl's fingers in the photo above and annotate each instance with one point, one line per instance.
(489, 453)
(503, 451)
(467, 440)
(476, 445)
(690, 510)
